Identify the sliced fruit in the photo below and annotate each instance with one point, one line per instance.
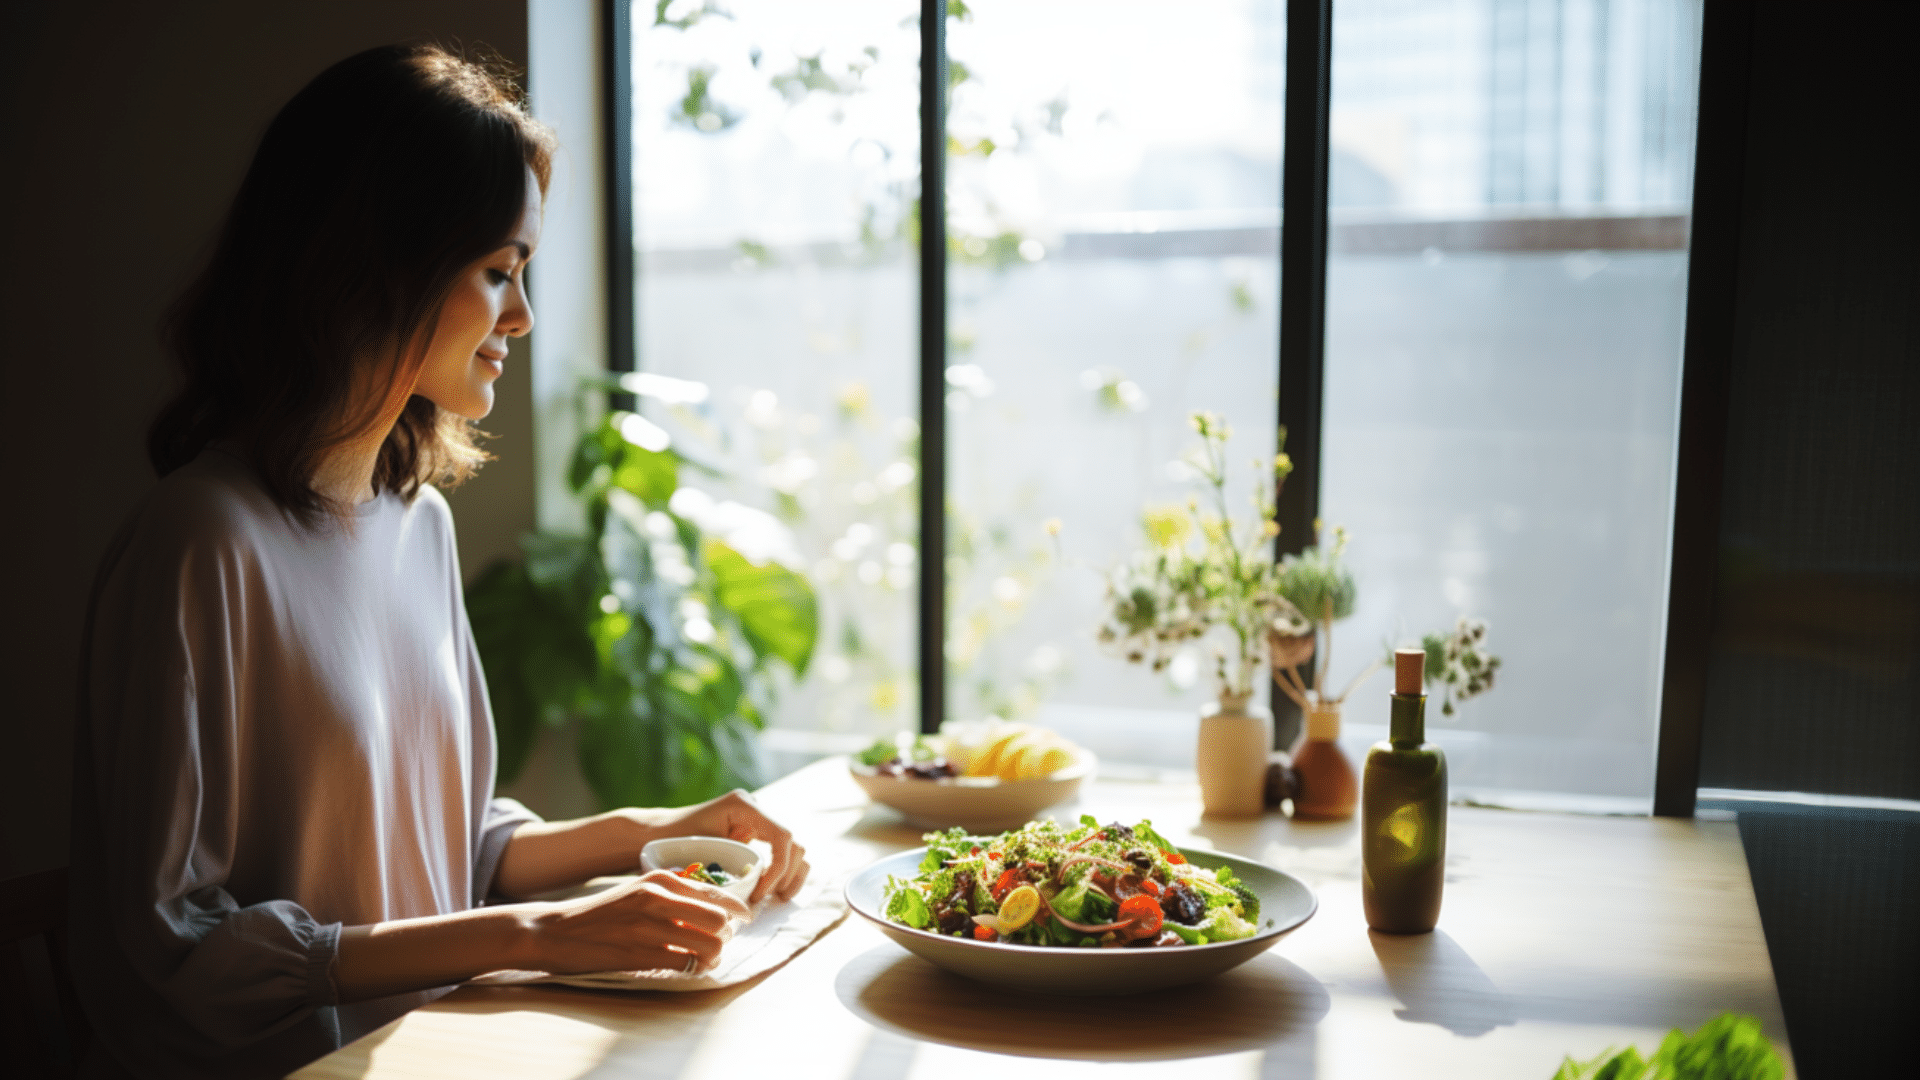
(987, 761)
(1019, 908)
(1053, 758)
(1011, 757)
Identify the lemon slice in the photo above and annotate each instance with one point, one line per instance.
(1051, 759)
(1019, 908)
(989, 760)
(1011, 757)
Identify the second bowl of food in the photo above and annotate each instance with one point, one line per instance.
(981, 780)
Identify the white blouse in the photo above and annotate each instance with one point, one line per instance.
(283, 731)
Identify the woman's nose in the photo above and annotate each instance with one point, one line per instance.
(517, 319)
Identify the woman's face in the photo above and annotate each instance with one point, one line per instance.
(488, 305)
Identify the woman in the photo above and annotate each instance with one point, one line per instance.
(284, 824)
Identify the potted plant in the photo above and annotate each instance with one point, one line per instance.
(1319, 585)
(1207, 579)
(655, 631)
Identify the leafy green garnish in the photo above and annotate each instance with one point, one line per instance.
(1728, 1047)
(1249, 902)
(906, 905)
(881, 752)
(1144, 831)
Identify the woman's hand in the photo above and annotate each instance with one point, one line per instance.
(658, 920)
(735, 817)
(546, 855)
(655, 921)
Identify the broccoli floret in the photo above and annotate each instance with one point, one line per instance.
(1226, 926)
(1192, 935)
(1249, 902)
(1216, 896)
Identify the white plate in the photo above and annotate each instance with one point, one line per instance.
(1285, 903)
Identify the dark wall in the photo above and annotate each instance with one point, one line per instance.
(127, 127)
(1812, 683)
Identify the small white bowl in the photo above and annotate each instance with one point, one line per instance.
(675, 852)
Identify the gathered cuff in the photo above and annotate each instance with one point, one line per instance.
(322, 952)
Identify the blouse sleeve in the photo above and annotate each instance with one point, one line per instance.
(164, 956)
(503, 816)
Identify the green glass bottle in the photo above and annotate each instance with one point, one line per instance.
(1403, 813)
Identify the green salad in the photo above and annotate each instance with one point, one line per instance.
(1084, 886)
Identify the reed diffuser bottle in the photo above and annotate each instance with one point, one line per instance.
(1403, 812)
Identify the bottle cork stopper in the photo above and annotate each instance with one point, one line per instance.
(1409, 667)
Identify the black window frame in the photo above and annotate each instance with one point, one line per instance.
(1713, 245)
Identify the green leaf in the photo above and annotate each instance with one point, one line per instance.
(588, 454)
(651, 476)
(881, 752)
(1625, 1065)
(1728, 1047)
(535, 652)
(906, 905)
(775, 607)
(565, 569)
(624, 753)
(733, 738)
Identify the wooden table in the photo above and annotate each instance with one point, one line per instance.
(1560, 934)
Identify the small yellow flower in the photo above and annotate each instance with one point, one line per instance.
(1270, 528)
(1053, 526)
(1166, 526)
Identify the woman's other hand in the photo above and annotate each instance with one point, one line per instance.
(546, 855)
(735, 817)
(655, 921)
(658, 920)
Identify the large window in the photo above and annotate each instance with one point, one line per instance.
(1114, 267)
(776, 167)
(1505, 285)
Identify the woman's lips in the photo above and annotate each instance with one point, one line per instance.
(497, 363)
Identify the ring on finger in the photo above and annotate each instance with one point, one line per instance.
(693, 963)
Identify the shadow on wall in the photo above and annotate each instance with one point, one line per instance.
(137, 121)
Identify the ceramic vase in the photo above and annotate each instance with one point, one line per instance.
(1232, 759)
(1325, 787)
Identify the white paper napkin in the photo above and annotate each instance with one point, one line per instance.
(771, 939)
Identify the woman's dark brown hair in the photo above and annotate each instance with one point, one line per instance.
(382, 180)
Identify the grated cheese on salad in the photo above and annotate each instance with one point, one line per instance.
(1084, 886)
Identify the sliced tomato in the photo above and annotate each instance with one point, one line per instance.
(1143, 912)
(1009, 878)
(1173, 857)
(981, 933)
(1150, 887)
(994, 855)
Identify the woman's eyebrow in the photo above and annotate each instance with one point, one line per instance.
(521, 246)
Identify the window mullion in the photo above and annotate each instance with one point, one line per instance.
(933, 351)
(1303, 285)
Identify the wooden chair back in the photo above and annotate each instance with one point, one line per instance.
(42, 1030)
